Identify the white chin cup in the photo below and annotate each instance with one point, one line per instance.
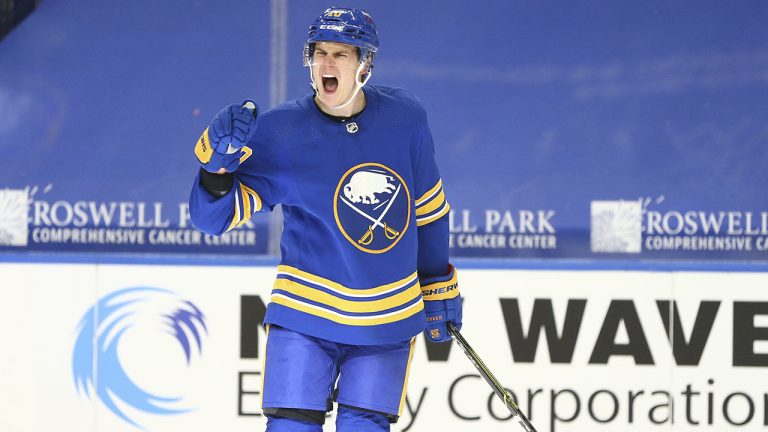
(358, 85)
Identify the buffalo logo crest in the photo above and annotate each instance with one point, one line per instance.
(372, 206)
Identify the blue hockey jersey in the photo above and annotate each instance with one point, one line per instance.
(364, 216)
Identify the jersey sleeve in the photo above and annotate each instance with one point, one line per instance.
(436, 274)
(437, 277)
(431, 204)
(257, 187)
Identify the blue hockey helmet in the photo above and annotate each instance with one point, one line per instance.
(344, 25)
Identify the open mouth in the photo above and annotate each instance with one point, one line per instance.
(330, 83)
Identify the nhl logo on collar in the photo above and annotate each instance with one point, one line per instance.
(372, 207)
(352, 127)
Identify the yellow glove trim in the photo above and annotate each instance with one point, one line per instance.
(203, 149)
(441, 290)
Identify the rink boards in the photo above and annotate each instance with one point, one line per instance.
(181, 349)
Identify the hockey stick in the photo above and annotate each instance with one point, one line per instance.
(500, 391)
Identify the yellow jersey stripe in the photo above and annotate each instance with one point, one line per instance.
(352, 292)
(432, 205)
(323, 297)
(405, 383)
(334, 286)
(250, 193)
(336, 317)
(427, 195)
(246, 202)
(244, 195)
(264, 368)
(434, 217)
(236, 216)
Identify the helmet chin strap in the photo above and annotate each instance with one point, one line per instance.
(358, 85)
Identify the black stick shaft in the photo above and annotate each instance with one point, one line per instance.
(499, 389)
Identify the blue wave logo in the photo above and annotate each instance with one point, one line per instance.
(96, 364)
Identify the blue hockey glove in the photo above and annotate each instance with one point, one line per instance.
(221, 144)
(442, 303)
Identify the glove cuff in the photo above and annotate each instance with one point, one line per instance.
(441, 287)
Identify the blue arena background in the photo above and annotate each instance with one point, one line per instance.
(572, 132)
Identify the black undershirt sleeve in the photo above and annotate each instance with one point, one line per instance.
(217, 185)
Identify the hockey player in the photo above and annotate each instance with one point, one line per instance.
(364, 247)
